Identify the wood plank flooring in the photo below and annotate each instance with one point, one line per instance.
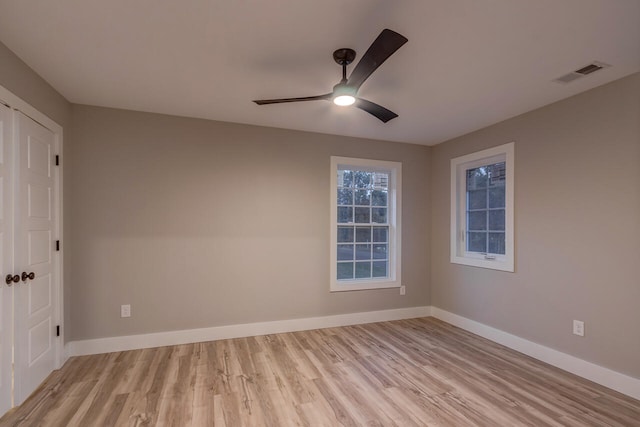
(418, 372)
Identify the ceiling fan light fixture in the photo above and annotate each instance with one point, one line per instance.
(344, 100)
(343, 95)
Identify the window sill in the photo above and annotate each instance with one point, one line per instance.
(363, 285)
(492, 264)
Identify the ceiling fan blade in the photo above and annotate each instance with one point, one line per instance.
(382, 48)
(306, 98)
(375, 110)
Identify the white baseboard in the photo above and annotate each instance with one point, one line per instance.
(598, 374)
(160, 339)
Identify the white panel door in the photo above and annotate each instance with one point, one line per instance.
(6, 258)
(34, 245)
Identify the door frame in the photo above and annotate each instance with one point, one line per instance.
(16, 103)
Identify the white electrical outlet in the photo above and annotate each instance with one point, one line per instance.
(578, 328)
(125, 310)
(403, 290)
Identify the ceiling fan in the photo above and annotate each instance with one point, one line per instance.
(345, 93)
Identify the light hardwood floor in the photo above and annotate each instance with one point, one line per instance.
(418, 372)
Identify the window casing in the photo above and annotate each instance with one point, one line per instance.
(365, 224)
(482, 208)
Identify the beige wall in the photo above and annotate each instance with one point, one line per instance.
(22, 81)
(577, 215)
(198, 223)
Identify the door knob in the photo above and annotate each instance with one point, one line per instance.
(29, 276)
(9, 280)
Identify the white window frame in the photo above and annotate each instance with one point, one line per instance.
(459, 166)
(394, 214)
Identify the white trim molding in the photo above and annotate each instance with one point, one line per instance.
(459, 167)
(394, 225)
(598, 374)
(134, 342)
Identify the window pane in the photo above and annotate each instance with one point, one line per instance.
(496, 243)
(379, 269)
(345, 270)
(477, 242)
(345, 214)
(363, 251)
(379, 251)
(363, 215)
(477, 220)
(361, 179)
(379, 198)
(363, 270)
(345, 178)
(380, 234)
(496, 219)
(345, 234)
(497, 173)
(477, 178)
(496, 197)
(379, 215)
(363, 234)
(345, 196)
(363, 197)
(345, 252)
(380, 180)
(477, 199)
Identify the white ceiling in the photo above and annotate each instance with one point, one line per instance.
(468, 63)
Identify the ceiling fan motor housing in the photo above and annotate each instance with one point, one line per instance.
(342, 89)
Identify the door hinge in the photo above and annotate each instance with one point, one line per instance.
(58, 245)
(58, 330)
(57, 160)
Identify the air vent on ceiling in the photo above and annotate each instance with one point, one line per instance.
(587, 69)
